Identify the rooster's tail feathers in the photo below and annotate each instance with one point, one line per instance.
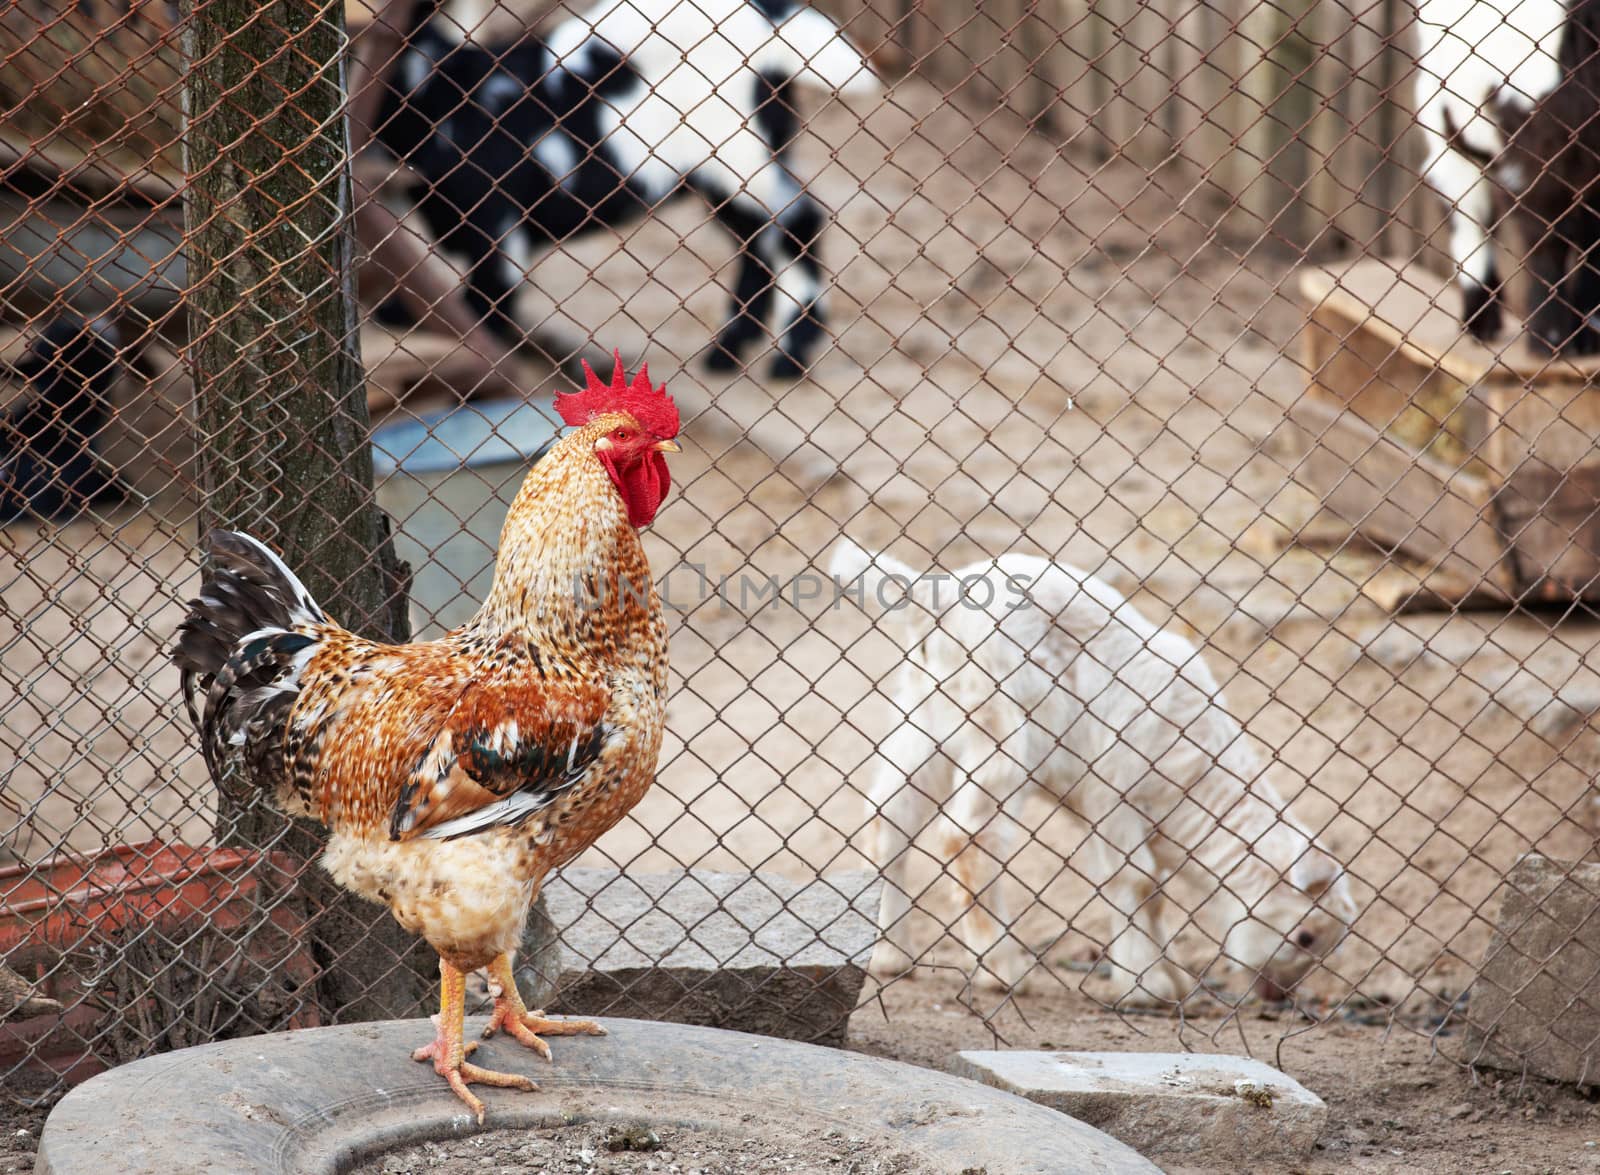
(243, 646)
(250, 562)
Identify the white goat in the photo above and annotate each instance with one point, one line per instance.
(1044, 679)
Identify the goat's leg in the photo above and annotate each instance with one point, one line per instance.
(982, 816)
(800, 281)
(478, 229)
(1471, 198)
(1162, 981)
(904, 806)
(1583, 280)
(1553, 321)
(1135, 949)
(752, 291)
(492, 285)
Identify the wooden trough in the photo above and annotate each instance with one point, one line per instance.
(1479, 462)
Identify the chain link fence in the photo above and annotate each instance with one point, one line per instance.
(1163, 298)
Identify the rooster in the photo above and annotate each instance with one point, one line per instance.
(453, 775)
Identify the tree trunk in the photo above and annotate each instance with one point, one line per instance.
(280, 396)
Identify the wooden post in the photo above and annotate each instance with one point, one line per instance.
(280, 394)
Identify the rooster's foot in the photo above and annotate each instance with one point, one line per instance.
(512, 1014)
(449, 1050)
(449, 1062)
(526, 1026)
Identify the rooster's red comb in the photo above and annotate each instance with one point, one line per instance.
(651, 407)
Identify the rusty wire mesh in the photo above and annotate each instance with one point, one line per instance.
(1156, 293)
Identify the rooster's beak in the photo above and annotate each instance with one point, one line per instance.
(667, 447)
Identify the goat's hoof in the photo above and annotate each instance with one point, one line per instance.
(1585, 342)
(719, 358)
(785, 367)
(890, 962)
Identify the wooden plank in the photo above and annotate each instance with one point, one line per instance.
(1344, 139)
(1136, 91)
(1065, 69)
(1550, 520)
(1197, 62)
(1326, 194)
(1419, 314)
(1507, 433)
(1263, 202)
(1421, 406)
(1436, 515)
(429, 367)
(1418, 212)
(1554, 425)
(1544, 439)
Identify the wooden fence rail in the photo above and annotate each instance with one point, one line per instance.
(1294, 119)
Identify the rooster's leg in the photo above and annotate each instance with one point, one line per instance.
(512, 1014)
(448, 1051)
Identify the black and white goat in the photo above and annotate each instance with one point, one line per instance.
(525, 144)
(1508, 98)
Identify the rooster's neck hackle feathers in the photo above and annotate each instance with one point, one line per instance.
(566, 522)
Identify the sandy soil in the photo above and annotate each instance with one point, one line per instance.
(1033, 353)
(1395, 1105)
(19, 1137)
(599, 1148)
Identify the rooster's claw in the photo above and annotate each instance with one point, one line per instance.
(460, 1073)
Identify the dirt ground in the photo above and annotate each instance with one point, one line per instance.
(19, 1136)
(1034, 352)
(1395, 1105)
(612, 1150)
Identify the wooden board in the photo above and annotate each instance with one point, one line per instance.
(1433, 442)
(1418, 315)
(1438, 516)
(1355, 361)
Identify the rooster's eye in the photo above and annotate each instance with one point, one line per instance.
(621, 434)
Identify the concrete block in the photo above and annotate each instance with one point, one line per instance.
(1203, 1110)
(1535, 1003)
(752, 952)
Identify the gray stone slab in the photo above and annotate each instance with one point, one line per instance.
(1535, 1002)
(752, 952)
(316, 1101)
(1201, 1109)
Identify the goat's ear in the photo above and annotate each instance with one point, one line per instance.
(851, 563)
(849, 560)
(1314, 873)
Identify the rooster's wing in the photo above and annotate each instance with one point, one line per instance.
(509, 747)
